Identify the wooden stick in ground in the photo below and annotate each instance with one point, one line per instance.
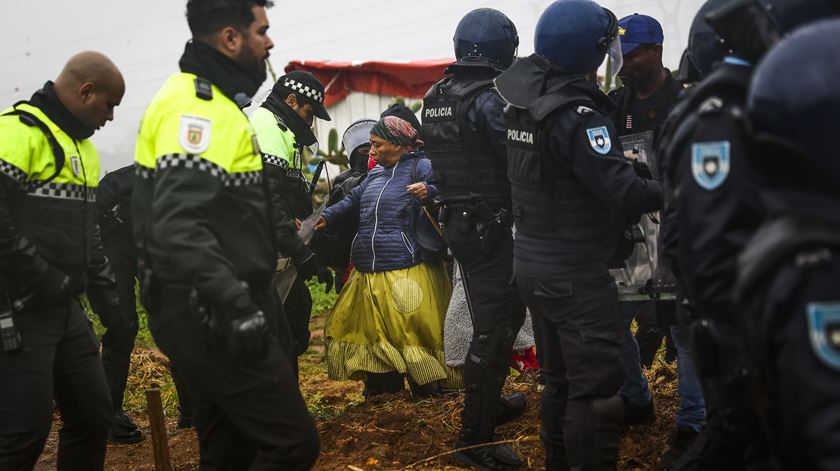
(160, 441)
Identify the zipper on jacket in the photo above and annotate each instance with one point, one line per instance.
(376, 216)
(407, 245)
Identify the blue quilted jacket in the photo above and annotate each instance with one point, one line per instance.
(386, 211)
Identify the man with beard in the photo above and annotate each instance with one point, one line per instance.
(283, 125)
(50, 252)
(202, 222)
(642, 104)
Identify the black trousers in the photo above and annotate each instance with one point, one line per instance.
(577, 329)
(248, 416)
(117, 346)
(60, 363)
(298, 307)
(497, 314)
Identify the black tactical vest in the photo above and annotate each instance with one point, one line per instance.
(463, 166)
(549, 201)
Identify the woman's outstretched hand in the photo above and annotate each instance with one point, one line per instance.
(418, 190)
(321, 224)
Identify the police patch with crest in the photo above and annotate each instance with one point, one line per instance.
(194, 135)
(824, 331)
(710, 163)
(599, 139)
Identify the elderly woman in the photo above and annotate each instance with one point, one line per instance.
(389, 316)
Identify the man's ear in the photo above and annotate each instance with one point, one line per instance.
(657, 51)
(86, 91)
(292, 100)
(230, 39)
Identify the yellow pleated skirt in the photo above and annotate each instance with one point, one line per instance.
(391, 321)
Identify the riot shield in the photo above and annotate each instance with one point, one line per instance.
(643, 277)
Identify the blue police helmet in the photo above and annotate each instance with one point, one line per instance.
(575, 35)
(789, 14)
(794, 98)
(486, 36)
(705, 47)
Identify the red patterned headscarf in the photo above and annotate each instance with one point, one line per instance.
(397, 131)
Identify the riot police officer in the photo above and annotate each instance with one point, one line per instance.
(202, 221)
(571, 191)
(713, 204)
(788, 289)
(464, 133)
(50, 252)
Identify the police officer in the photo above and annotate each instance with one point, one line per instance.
(464, 133)
(202, 221)
(283, 125)
(788, 288)
(50, 252)
(713, 204)
(571, 191)
(113, 204)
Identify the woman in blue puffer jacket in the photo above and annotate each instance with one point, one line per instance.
(389, 316)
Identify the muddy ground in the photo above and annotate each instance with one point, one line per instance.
(391, 432)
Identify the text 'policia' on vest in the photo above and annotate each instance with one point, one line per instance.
(549, 200)
(464, 167)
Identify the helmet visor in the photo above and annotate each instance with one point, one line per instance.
(615, 56)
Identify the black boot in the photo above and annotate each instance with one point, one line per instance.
(511, 407)
(493, 457)
(681, 440)
(124, 429)
(591, 433)
(424, 390)
(184, 421)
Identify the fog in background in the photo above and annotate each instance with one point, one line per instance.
(146, 38)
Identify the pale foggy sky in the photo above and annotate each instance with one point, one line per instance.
(145, 39)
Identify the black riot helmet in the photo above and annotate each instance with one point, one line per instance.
(486, 37)
(789, 14)
(705, 47)
(803, 118)
(750, 27)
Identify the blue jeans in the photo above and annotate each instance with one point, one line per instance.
(692, 412)
(635, 387)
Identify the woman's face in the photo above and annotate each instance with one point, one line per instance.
(383, 152)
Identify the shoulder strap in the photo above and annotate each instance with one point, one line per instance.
(773, 243)
(30, 119)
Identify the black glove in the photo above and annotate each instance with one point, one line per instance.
(55, 286)
(308, 266)
(642, 170)
(243, 329)
(106, 304)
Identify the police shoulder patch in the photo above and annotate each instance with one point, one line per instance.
(824, 331)
(599, 139)
(710, 163)
(194, 134)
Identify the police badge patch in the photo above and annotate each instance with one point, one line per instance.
(194, 135)
(824, 330)
(599, 139)
(710, 163)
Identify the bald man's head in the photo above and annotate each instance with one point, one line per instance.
(90, 86)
